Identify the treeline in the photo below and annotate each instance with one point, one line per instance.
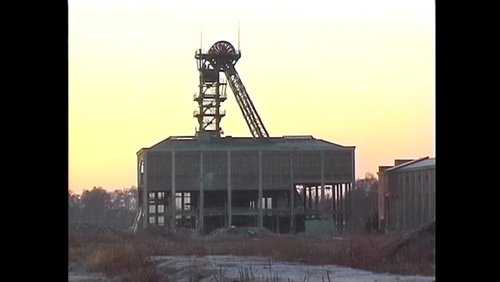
(115, 210)
(365, 204)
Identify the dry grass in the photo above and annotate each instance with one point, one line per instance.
(127, 256)
(114, 256)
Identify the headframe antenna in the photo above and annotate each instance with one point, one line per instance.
(239, 49)
(201, 36)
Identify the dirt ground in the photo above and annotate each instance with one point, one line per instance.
(186, 257)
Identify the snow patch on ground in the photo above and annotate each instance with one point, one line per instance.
(217, 268)
(76, 273)
(86, 277)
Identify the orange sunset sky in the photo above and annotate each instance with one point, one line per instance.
(352, 72)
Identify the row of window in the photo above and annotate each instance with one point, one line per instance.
(156, 209)
(157, 201)
(160, 220)
(156, 195)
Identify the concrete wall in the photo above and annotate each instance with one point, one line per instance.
(409, 199)
(245, 169)
(225, 173)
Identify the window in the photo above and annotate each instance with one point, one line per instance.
(161, 208)
(152, 220)
(161, 220)
(151, 195)
(152, 209)
(161, 195)
(141, 170)
(178, 200)
(267, 203)
(187, 200)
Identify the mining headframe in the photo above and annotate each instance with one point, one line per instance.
(287, 184)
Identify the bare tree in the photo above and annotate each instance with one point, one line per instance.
(115, 209)
(95, 204)
(364, 204)
(74, 207)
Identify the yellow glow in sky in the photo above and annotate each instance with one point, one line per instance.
(351, 72)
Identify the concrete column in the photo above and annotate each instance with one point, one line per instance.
(408, 209)
(353, 168)
(349, 205)
(201, 198)
(183, 195)
(172, 200)
(139, 184)
(292, 196)
(229, 196)
(404, 212)
(260, 219)
(352, 185)
(335, 204)
(412, 203)
(433, 193)
(346, 205)
(140, 189)
(322, 174)
(317, 198)
(342, 206)
(304, 196)
(419, 207)
(308, 197)
(415, 206)
(394, 203)
(403, 198)
(429, 189)
(422, 198)
(145, 195)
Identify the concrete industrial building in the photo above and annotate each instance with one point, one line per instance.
(407, 194)
(208, 181)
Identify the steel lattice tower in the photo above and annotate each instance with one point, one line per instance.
(222, 57)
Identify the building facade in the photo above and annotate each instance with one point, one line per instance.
(276, 182)
(407, 194)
